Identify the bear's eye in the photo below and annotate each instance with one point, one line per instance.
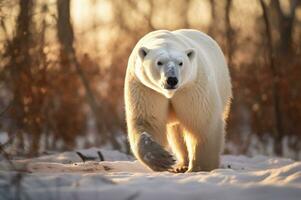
(181, 63)
(159, 63)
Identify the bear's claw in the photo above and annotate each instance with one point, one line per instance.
(179, 169)
(154, 155)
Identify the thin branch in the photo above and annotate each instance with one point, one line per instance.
(101, 158)
(293, 6)
(85, 158)
(5, 30)
(7, 157)
(146, 16)
(5, 109)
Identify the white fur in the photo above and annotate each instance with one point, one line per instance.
(191, 118)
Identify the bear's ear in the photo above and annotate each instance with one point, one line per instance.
(143, 51)
(190, 53)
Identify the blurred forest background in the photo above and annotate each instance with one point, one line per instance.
(63, 62)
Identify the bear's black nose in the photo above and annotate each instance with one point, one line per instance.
(172, 81)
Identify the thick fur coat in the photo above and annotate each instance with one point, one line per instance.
(189, 121)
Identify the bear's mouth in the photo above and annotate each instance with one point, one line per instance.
(168, 87)
(168, 90)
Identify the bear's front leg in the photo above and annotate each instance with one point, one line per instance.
(205, 148)
(153, 154)
(146, 113)
(177, 143)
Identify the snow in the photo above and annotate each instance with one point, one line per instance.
(65, 176)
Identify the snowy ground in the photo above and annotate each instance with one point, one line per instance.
(65, 176)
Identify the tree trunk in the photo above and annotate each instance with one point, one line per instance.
(278, 130)
(285, 24)
(212, 27)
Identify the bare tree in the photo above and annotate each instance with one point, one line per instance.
(275, 84)
(22, 80)
(66, 39)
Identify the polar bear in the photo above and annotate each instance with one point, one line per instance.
(177, 97)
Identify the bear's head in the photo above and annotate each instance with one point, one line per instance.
(165, 70)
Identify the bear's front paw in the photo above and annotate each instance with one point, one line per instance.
(154, 155)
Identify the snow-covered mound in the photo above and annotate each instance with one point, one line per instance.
(65, 176)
